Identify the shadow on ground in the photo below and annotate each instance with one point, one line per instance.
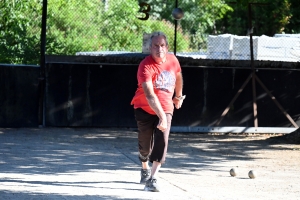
(24, 195)
(67, 150)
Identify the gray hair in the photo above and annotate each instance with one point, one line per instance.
(158, 33)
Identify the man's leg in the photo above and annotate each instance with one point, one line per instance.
(155, 168)
(145, 123)
(158, 155)
(161, 140)
(145, 172)
(145, 165)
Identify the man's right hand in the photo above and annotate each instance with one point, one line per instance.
(155, 105)
(162, 124)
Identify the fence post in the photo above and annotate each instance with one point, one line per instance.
(175, 31)
(42, 65)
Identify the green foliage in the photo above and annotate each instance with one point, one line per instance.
(87, 25)
(199, 17)
(72, 26)
(182, 42)
(294, 18)
(19, 33)
(119, 27)
(107, 25)
(268, 17)
(276, 14)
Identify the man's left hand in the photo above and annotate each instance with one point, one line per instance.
(178, 101)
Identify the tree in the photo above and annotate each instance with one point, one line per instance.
(90, 25)
(72, 26)
(20, 25)
(267, 19)
(294, 21)
(199, 17)
(103, 25)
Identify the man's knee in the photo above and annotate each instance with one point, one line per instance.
(143, 158)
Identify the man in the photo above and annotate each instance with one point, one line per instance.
(159, 75)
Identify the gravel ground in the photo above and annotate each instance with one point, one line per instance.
(94, 163)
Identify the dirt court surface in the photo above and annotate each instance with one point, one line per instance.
(94, 163)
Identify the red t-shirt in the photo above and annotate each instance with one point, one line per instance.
(163, 77)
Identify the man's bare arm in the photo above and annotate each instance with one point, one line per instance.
(155, 104)
(178, 90)
(178, 84)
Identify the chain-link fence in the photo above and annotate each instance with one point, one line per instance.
(93, 26)
(20, 31)
(209, 29)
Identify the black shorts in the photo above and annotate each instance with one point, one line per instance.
(153, 143)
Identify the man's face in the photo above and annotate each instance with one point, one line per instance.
(159, 48)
